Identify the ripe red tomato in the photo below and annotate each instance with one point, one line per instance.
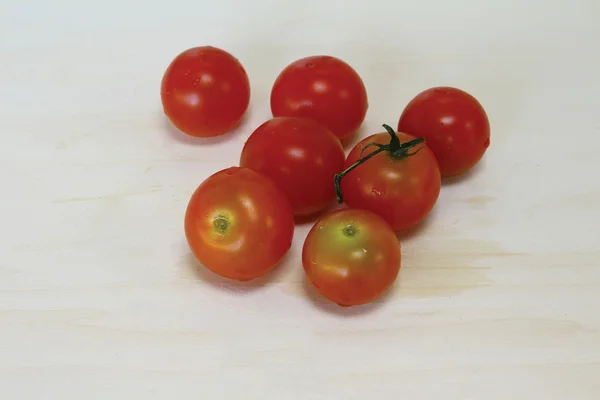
(453, 123)
(323, 88)
(351, 256)
(205, 91)
(239, 224)
(301, 156)
(399, 179)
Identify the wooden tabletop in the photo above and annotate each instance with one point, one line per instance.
(499, 292)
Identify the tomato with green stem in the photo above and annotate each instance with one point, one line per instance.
(301, 156)
(238, 224)
(351, 256)
(322, 88)
(454, 124)
(392, 174)
(205, 91)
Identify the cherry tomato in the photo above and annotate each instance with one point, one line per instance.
(398, 179)
(351, 256)
(453, 123)
(239, 224)
(205, 91)
(301, 156)
(323, 88)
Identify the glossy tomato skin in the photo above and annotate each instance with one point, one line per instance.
(453, 123)
(351, 256)
(205, 91)
(323, 88)
(402, 191)
(301, 156)
(239, 224)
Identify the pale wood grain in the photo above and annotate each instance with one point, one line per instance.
(499, 293)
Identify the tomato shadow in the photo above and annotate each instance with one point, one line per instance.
(198, 271)
(351, 140)
(330, 307)
(189, 140)
(465, 176)
(419, 229)
(313, 218)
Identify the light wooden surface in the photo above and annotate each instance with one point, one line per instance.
(499, 294)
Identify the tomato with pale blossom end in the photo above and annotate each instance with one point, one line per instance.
(351, 256)
(238, 224)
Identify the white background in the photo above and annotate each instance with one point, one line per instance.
(499, 294)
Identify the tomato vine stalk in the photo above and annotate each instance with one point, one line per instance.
(396, 149)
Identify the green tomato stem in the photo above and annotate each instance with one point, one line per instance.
(397, 150)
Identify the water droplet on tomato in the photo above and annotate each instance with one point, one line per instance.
(376, 192)
(487, 143)
(379, 189)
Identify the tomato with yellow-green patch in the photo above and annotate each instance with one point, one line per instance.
(351, 256)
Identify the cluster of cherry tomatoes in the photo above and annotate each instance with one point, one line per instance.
(240, 221)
